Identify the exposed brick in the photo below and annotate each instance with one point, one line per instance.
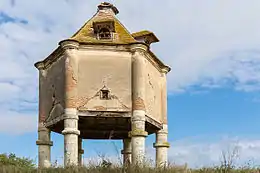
(138, 104)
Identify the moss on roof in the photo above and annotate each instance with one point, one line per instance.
(86, 33)
(147, 34)
(141, 33)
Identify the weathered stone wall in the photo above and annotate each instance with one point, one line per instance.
(153, 92)
(110, 70)
(52, 90)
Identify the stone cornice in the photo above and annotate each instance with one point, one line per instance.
(44, 64)
(72, 44)
(157, 62)
(151, 57)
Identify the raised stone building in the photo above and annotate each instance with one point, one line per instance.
(103, 83)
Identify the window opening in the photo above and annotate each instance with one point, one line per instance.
(104, 33)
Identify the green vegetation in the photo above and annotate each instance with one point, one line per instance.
(13, 164)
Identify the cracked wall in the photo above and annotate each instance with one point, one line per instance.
(153, 92)
(52, 91)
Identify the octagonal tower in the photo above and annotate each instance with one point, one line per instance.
(103, 83)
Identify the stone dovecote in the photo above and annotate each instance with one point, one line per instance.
(103, 83)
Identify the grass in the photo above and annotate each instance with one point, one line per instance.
(15, 169)
(13, 164)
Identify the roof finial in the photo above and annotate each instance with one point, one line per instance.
(106, 6)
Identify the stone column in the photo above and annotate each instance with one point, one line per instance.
(161, 144)
(80, 151)
(138, 133)
(70, 133)
(127, 150)
(44, 135)
(44, 147)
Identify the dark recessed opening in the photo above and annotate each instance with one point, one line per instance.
(104, 33)
(104, 94)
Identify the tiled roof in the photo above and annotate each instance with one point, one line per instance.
(86, 33)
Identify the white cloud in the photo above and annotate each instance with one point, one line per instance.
(14, 123)
(201, 152)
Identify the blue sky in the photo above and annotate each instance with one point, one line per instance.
(213, 88)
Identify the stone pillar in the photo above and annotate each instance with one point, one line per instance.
(138, 133)
(80, 151)
(162, 146)
(161, 143)
(70, 133)
(127, 150)
(44, 135)
(44, 147)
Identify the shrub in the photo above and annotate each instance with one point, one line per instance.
(13, 160)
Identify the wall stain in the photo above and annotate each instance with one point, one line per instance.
(138, 104)
(71, 81)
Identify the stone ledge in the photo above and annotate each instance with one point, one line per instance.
(70, 131)
(163, 144)
(40, 142)
(137, 132)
